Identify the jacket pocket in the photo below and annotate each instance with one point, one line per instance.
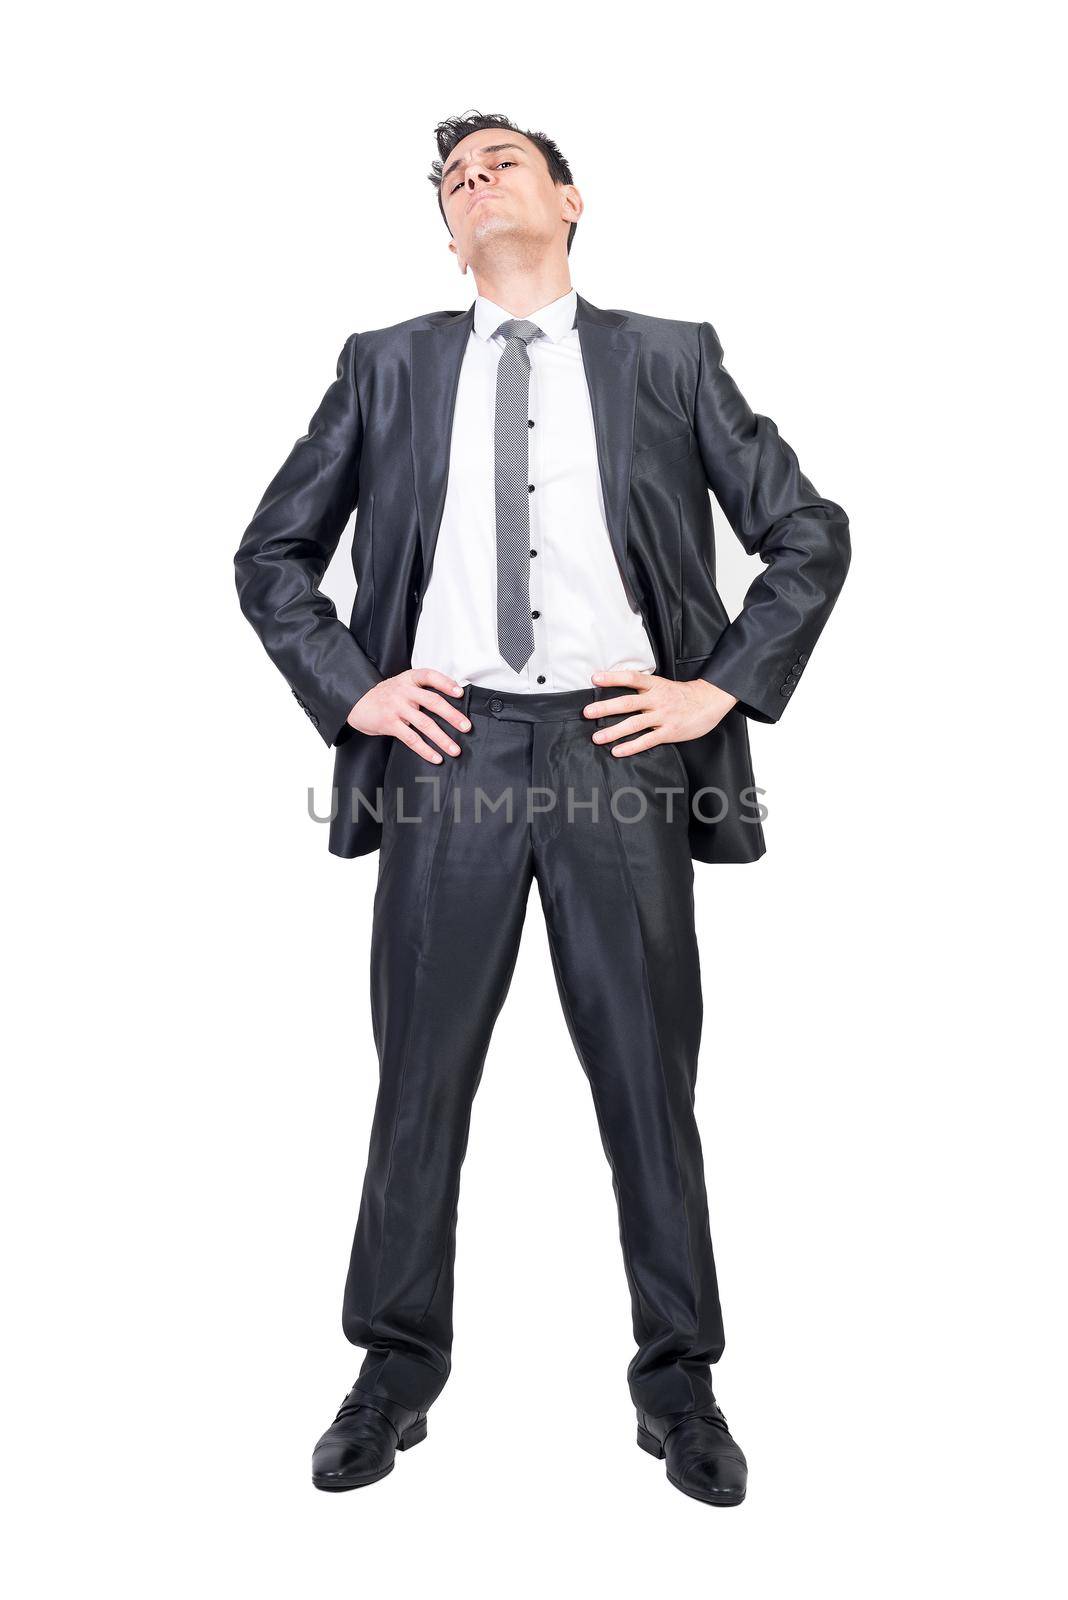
(652, 456)
(689, 667)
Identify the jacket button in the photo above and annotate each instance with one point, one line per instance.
(802, 659)
(496, 705)
(785, 689)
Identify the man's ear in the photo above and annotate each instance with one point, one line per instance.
(569, 204)
(572, 206)
(460, 262)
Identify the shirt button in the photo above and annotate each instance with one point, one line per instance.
(533, 552)
(530, 422)
(535, 615)
(541, 677)
(530, 488)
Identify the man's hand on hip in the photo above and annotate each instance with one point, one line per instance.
(395, 707)
(664, 710)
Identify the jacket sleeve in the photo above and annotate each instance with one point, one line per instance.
(802, 539)
(286, 549)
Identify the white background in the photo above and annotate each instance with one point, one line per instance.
(204, 202)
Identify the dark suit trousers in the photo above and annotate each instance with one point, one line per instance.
(606, 840)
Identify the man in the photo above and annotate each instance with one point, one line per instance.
(539, 682)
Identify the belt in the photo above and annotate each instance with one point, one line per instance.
(507, 706)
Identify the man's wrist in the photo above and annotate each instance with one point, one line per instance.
(719, 701)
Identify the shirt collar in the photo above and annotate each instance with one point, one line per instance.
(555, 320)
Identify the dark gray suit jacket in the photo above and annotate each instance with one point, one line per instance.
(670, 424)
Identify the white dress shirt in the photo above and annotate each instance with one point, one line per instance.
(583, 623)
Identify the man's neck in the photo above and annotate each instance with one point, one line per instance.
(520, 292)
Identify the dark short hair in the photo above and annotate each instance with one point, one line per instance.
(449, 133)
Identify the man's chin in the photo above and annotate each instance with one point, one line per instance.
(489, 219)
(491, 233)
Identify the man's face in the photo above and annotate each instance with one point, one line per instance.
(496, 189)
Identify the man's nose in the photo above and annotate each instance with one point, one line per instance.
(475, 175)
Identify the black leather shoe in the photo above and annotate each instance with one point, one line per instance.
(702, 1458)
(361, 1443)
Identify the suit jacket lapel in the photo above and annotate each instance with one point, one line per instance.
(437, 356)
(610, 357)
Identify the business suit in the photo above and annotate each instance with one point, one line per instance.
(669, 423)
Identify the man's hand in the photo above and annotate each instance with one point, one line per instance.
(664, 710)
(393, 707)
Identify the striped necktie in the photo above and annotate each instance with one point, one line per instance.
(515, 635)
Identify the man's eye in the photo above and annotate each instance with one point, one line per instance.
(460, 182)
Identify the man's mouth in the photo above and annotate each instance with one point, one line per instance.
(476, 200)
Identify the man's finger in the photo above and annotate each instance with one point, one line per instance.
(621, 729)
(648, 743)
(419, 719)
(626, 677)
(434, 702)
(408, 736)
(615, 708)
(435, 680)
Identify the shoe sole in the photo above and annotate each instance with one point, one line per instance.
(335, 1484)
(715, 1497)
(726, 1497)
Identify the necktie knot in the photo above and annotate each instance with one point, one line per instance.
(525, 332)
